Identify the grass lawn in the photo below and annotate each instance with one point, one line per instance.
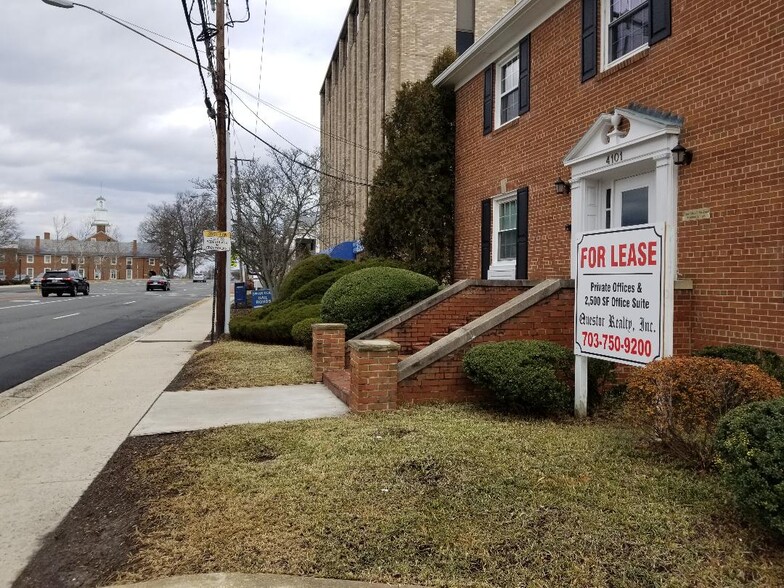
(441, 496)
(236, 364)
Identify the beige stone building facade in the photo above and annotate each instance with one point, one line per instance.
(382, 44)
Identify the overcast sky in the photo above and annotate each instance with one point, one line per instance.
(89, 108)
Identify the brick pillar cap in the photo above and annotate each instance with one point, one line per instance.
(328, 327)
(374, 345)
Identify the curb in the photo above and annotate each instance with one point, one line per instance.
(49, 381)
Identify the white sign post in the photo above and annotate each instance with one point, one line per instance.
(619, 299)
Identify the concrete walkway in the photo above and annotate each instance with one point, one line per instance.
(175, 412)
(56, 442)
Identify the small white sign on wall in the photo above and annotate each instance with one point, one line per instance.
(619, 294)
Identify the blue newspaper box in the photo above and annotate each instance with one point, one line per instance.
(261, 297)
(240, 294)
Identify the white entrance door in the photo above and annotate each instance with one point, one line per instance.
(630, 201)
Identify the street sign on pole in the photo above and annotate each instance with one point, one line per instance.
(217, 241)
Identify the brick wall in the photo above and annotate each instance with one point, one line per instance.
(551, 320)
(722, 70)
(470, 303)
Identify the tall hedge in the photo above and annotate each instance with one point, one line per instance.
(410, 214)
(305, 271)
(369, 296)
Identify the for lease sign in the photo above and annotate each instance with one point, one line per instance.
(618, 311)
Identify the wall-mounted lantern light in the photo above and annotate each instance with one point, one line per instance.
(562, 187)
(681, 155)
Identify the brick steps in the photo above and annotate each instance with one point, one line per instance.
(339, 382)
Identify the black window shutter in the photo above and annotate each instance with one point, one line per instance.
(521, 269)
(525, 75)
(487, 235)
(589, 39)
(488, 101)
(660, 19)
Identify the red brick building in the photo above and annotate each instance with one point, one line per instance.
(97, 257)
(599, 93)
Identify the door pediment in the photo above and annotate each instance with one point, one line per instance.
(610, 132)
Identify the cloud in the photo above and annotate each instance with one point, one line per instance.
(90, 108)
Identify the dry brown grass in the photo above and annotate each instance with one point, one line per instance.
(441, 496)
(236, 364)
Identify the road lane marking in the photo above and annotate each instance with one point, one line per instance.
(65, 316)
(131, 302)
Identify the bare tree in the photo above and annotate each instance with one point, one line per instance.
(61, 226)
(275, 205)
(9, 227)
(177, 228)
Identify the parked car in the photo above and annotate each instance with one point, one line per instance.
(64, 281)
(20, 279)
(158, 283)
(199, 277)
(36, 283)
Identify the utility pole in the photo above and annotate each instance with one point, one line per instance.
(221, 258)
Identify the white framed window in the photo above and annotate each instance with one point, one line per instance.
(129, 274)
(128, 261)
(625, 29)
(31, 259)
(63, 259)
(81, 271)
(81, 260)
(507, 77)
(47, 269)
(113, 274)
(2, 256)
(2, 274)
(47, 259)
(114, 261)
(31, 272)
(503, 261)
(151, 261)
(96, 273)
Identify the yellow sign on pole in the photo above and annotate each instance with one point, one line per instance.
(217, 240)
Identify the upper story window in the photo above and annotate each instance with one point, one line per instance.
(47, 259)
(114, 261)
(30, 259)
(626, 28)
(151, 261)
(508, 89)
(63, 259)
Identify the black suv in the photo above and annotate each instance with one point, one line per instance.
(61, 281)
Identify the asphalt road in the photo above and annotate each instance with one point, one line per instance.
(38, 334)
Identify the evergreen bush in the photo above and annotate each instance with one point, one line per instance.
(369, 296)
(750, 456)
(306, 271)
(302, 332)
(767, 360)
(678, 401)
(527, 376)
(276, 324)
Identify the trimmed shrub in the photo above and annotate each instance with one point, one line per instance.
(767, 360)
(679, 401)
(276, 325)
(527, 376)
(302, 332)
(750, 456)
(369, 296)
(306, 271)
(315, 289)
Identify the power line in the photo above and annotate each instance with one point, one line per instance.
(261, 63)
(301, 164)
(266, 124)
(207, 101)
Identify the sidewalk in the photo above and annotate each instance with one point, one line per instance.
(53, 446)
